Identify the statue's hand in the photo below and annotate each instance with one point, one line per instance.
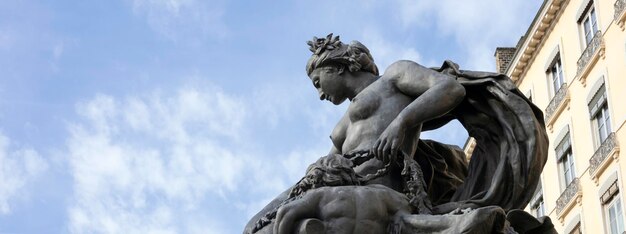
(285, 219)
(387, 145)
(289, 214)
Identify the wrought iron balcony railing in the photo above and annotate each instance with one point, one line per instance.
(566, 197)
(602, 153)
(620, 6)
(556, 101)
(592, 48)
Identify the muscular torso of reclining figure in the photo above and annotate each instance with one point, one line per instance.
(368, 115)
(343, 211)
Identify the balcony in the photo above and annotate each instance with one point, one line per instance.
(620, 16)
(557, 104)
(594, 50)
(571, 195)
(607, 152)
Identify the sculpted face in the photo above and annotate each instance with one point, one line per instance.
(314, 178)
(330, 84)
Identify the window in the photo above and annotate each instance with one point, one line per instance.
(599, 111)
(566, 160)
(576, 229)
(537, 205)
(613, 209)
(555, 73)
(589, 23)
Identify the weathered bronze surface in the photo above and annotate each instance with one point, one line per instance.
(380, 177)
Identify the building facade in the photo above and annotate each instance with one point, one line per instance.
(572, 64)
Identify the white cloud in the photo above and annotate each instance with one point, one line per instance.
(386, 52)
(276, 102)
(136, 162)
(478, 26)
(168, 161)
(183, 19)
(17, 169)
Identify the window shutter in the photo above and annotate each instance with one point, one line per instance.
(598, 100)
(562, 147)
(609, 193)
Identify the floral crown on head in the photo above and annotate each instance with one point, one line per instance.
(330, 50)
(319, 45)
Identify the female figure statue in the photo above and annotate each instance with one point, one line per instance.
(388, 112)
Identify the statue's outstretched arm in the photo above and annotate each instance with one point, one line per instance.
(435, 95)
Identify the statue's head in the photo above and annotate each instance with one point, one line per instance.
(331, 170)
(332, 61)
(330, 51)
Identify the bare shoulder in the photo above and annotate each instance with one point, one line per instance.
(409, 77)
(399, 68)
(403, 64)
(414, 79)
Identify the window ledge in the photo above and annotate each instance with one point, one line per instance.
(595, 49)
(572, 195)
(557, 105)
(602, 158)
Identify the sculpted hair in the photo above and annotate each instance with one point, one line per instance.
(336, 170)
(331, 51)
(331, 170)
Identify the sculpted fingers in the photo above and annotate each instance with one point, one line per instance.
(394, 147)
(386, 147)
(388, 150)
(381, 149)
(374, 150)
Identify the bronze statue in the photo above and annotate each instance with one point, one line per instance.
(387, 113)
(326, 200)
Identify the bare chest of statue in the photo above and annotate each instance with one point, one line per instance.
(369, 114)
(363, 106)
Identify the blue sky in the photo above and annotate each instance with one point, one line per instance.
(188, 116)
